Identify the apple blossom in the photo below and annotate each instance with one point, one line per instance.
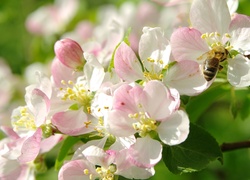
(17, 154)
(213, 27)
(93, 162)
(155, 64)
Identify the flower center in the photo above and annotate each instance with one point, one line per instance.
(144, 124)
(155, 70)
(106, 174)
(24, 120)
(78, 94)
(214, 39)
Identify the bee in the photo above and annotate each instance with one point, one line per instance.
(211, 64)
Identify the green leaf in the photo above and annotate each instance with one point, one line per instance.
(199, 104)
(64, 151)
(199, 149)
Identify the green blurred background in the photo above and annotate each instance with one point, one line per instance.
(20, 48)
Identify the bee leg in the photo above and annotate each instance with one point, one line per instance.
(223, 59)
(220, 67)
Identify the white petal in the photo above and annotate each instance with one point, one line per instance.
(157, 100)
(154, 45)
(232, 5)
(238, 73)
(175, 129)
(240, 39)
(186, 77)
(146, 152)
(210, 16)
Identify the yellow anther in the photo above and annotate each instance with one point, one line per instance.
(214, 45)
(227, 35)
(151, 60)
(70, 82)
(211, 34)
(86, 171)
(204, 36)
(229, 48)
(69, 90)
(24, 120)
(218, 43)
(89, 110)
(87, 123)
(63, 82)
(217, 34)
(160, 61)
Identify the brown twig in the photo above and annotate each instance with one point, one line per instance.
(234, 146)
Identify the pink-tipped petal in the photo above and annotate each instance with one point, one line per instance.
(157, 100)
(120, 124)
(71, 122)
(31, 147)
(186, 44)
(75, 170)
(127, 66)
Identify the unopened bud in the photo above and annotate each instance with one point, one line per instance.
(69, 53)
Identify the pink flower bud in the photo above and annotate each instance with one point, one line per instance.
(69, 53)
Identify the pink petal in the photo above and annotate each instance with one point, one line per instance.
(186, 77)
(10, 132)
(126, 98)
(40, 105)
(238, 73)
(130, 170)
(146, 152)
(186, 44)
(175, 129)
(157, 100)
(210, 16)
(127, 66)
(48, 143)
(71, 122)
(61, 72)
(75, 170)
(120, 124)
(31, 147)
(239, 21)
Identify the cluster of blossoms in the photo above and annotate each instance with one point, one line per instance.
(124, 98)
